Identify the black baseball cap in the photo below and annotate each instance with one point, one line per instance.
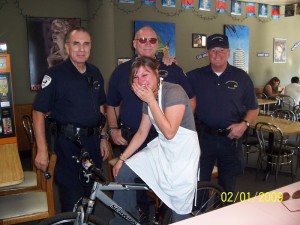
(217, 40)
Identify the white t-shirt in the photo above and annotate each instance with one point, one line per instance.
(293, 90)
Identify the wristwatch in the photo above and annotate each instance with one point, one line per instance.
(104, 136)
(247, 123)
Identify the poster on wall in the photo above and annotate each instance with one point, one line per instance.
(166, 36)
(46, 45)
(238, 37)
(279, 47)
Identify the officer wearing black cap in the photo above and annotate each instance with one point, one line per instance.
(73, 92)
(225, 105)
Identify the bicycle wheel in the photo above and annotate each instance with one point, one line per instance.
(208, 199)
(71, 218)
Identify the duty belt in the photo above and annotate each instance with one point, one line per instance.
(71, 130)
(216, 131)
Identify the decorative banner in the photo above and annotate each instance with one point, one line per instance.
(238, 37)
(187, 4)
(221, 6)
(289, 10)
(204, 5)
(149, 2)
(250, 9)
(168, 3)
(262, 10)
(236, 8)
(279, 50)
(126, 1)
(275, 12)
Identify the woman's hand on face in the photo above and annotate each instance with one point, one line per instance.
(144, 92)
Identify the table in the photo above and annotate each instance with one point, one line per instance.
(265, 102)
(254, 211)
(11, 171)
(286, 126)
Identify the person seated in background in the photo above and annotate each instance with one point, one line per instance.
(271, 88)
(293, 89)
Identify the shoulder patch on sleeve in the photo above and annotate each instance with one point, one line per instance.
(46, 81)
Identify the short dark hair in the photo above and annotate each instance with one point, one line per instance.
(295, 80)
(68, 34)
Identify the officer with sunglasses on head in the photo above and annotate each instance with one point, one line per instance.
(123, 106)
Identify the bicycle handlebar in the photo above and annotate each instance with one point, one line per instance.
(88, 166)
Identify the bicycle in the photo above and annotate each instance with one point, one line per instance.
(208, 199)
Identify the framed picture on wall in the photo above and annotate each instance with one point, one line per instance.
(46, 45)
(279, 47)
(199, 40)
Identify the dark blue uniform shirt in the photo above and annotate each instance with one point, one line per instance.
(222, 100)
(120, 93)
(70, 96)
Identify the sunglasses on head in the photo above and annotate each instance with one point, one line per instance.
(143, 40)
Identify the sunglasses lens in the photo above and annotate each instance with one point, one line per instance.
(296, 195)
(142, 40)
(153, 40)
(285, 196)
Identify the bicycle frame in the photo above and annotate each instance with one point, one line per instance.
(104, 185)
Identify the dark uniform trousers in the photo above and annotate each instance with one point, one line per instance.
(67, 171)
(228, 155)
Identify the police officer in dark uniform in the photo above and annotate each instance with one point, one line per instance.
(225, 105)
(124, 107)
(73, 93)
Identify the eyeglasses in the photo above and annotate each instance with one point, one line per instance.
(143, 40)
(286, 196)
(288, 204)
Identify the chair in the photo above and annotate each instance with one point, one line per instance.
(30, 205)
(261, 95)
(30, 177)
(275, 106)
(284, 114)
(296, 110)
(273, 152)
(287, 102)
(249, 142)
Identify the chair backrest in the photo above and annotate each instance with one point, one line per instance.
(284, 114)
(27, 124)
(261, 95)
(287, 102)
(296, 110)
(31, 205)
(261, 129)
